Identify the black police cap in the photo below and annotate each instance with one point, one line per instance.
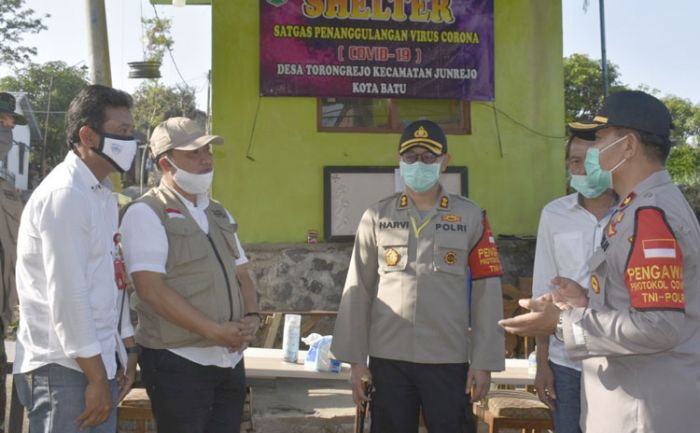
(423, 133)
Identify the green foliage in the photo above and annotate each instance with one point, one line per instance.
(155, 102)
(583, 85)
(692, 194)
(16, 20)
(686, 119)
(62, 83)
(157, 37)
(683, 164)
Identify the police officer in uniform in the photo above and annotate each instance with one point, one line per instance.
(638, 331)
(406, 305)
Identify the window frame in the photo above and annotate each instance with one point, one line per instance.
(394, 124)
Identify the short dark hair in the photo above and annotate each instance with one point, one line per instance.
(585, 136)
(655, 146)
(88, 109)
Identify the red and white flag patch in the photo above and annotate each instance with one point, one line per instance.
(656, 248)
(173, 213)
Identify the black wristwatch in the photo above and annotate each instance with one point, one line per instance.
(254, 313)
(133, 349)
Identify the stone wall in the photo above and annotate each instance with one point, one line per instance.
(311, 276)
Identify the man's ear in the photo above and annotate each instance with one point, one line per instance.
(445, 162)
(163, 163)
(633, 145)
(88, 137)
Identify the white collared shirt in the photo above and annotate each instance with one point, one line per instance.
(146, 249)
(567, 236)
(68, 298)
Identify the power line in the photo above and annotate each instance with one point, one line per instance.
(522, 125)
(170, 51)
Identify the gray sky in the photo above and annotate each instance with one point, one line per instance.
(652, 42)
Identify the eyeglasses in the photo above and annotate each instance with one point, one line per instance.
(425, 157)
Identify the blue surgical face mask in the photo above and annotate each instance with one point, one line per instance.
(596, 181)
(419, 176)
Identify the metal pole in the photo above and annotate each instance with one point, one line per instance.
(44, 170)
(98, 44)
(604, 59)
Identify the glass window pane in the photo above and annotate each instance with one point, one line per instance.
(446, 113)
(354, 113)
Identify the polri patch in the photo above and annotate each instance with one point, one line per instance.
(654, 271)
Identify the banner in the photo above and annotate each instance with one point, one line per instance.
(438, 49)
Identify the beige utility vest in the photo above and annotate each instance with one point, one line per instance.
(10, 212)
(200, 267)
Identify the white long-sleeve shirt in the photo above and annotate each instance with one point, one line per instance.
(567, 236)
(146, 249)
(69, 301)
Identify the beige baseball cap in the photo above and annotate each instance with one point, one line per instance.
(180, 133)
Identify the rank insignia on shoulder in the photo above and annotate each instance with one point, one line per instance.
(450, 258)
(627, 200)
(403, 201)
(444, 202)
(619, 217)
(452, 218)
(611, 229)
(392, 257)
(595, 284)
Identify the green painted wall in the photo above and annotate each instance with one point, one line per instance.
(277, 194)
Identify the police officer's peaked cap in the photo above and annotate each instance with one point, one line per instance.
(631, 109)
(423, 133)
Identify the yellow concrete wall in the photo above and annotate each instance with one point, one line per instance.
(277, 196)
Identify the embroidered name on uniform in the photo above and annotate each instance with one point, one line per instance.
(451, 227)
(385, 225)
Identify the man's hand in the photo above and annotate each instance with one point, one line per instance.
(357, 372)
(540, 321)
(234, 335)
(98, 404)
(544, 384)
(569, 294)
(126, 379)
(250, 326)
(478, 383)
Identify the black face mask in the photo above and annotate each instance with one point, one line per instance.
(5, 141)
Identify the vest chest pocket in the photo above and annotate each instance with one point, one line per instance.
(450, 253)
(392, 250)
(187, 242)
(228, 231)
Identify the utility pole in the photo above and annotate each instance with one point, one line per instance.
(604, 59)
(98, 52)
(44, 169)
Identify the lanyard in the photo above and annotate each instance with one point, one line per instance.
(418, 229)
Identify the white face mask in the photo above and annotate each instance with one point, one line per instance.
(118, 150)
(192, 183)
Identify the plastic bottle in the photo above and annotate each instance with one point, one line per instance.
(290, 338)
(532, 363)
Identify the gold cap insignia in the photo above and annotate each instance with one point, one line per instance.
(392, 257)
(421, 133)
(595, 285)
(450, 258)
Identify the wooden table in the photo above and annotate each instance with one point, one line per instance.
(263, 363)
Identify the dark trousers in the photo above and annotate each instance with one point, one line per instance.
(190, 398)
(402, 388)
